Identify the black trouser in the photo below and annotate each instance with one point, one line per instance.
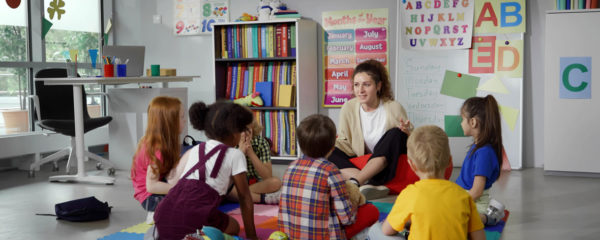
(391, 145)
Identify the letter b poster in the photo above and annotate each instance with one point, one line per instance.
(349, 38)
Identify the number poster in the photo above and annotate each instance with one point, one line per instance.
(194, 17)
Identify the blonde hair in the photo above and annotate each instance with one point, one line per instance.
(429, 150)
(256, 127)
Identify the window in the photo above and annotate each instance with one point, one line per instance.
(74, 25)
(14, 82)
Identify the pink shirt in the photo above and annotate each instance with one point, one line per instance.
(142, 161)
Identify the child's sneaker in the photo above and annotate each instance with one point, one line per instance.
(150, 218)
(374, 192)
(272, 198)
(495, 212)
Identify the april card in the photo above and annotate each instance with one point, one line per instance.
(195, 17)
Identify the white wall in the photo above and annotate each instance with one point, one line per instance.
(191, 54)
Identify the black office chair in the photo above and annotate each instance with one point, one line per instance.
(54, 111)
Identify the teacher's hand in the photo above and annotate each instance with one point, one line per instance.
(405, 126)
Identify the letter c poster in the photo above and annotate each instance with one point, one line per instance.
(349, 38)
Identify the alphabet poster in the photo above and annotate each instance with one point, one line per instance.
(194, 17)
(436, 24)
(349, 38)
(433, 85)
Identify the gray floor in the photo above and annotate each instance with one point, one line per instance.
(541, 206)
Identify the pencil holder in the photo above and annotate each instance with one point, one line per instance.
(71, 69)
(122, 70)
(109, 70)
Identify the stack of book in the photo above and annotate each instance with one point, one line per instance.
(287, 14)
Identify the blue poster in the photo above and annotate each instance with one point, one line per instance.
(575, 80)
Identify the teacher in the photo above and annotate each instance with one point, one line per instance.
(371, 122)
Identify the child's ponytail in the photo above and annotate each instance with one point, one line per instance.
(220, 120)
(486, 110)
(198, 112)
(493, 126)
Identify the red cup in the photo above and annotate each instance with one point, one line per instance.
(109, 70)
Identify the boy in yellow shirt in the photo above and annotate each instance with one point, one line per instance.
(434, 208)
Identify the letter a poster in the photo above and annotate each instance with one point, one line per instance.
(349, 38)
(436, 24)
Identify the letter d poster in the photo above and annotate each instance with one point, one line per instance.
(349, 38)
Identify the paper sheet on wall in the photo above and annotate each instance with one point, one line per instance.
(350, 37)
(194, 17)
(436, 24)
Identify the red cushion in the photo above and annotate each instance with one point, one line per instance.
(404, 175)
(366, 215)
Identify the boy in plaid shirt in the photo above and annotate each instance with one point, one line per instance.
(314, 201)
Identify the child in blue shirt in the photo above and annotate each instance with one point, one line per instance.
(481, 167)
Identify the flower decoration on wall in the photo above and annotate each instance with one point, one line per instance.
(56, 6)
(13, 3)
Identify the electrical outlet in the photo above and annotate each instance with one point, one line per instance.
(156, 19)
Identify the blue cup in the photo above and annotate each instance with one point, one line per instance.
(122, 70)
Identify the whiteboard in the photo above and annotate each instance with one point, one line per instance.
(418, 83)
(571, 125)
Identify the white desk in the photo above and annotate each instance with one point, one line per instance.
(78, 83)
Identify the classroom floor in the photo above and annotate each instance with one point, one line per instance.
(541, 206)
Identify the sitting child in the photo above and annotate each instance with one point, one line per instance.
(223, 123)
(264, 187)
(432, 208)
(157, 152)
(315, 203)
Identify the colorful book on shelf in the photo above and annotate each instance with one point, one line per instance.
(275, 83)
(267, 124)
(233, 81)
(255, 41)
(270, 72)
(275, 131)
(594, 4)
(283, 12)
(293, 74)
(293, 40)
(266, 92)
(286, 96)
(223, 42)
(288, 16)
(263, 41)
(284, 135)
(284, 40)
(239, 80)
(249, 40)
(256, 77)
(270, 39)
(230, 51)
(228, 84)
(246, 83)
(278, 33)
(250, 89)
(238, 41)
(292, 117)
(287, 132)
